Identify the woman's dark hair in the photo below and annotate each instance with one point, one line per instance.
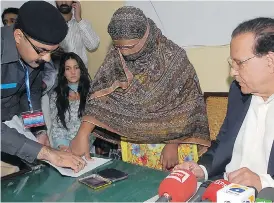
(62, 89)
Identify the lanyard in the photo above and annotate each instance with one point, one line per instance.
(27, 84)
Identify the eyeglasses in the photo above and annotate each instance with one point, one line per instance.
(237, 65)
(116, 46)
(142, 40)
(40, 51)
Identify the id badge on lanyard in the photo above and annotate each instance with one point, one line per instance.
(31, 118)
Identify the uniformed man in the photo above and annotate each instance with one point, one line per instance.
(24, 49)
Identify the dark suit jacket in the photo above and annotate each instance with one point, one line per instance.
(220, 152)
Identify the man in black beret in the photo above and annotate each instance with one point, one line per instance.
(24, 50)
(49, 74)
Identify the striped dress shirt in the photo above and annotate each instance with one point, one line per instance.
(80, 38)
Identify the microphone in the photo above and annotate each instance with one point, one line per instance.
(178, 186)
(164, 198)
(236, 193)
(266, 195)
(210, 194)
(197, 197)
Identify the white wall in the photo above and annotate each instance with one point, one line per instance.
(210, 23)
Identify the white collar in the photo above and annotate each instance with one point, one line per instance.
(261, 100)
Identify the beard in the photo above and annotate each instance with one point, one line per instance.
(64, 8)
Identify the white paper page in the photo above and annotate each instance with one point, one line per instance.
(153, 199)
(94, 163)
(17, 123)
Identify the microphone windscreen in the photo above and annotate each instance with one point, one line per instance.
(267, 194)
(211, 191)
(179, 184)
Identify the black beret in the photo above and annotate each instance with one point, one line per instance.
(42, 22)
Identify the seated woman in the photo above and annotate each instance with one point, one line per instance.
(146, 91)
(73, 85)
(67, 102)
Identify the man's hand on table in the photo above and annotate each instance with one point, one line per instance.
(193, 167)
(61, 158)
(244, 176)
(64, 148)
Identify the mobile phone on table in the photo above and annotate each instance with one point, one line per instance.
(113, 174)
(95, 181)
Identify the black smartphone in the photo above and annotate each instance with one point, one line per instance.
(95, 182)
(113, 174)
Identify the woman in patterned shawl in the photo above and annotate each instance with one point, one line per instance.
(146, 91)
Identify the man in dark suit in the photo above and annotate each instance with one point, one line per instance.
(243, 151)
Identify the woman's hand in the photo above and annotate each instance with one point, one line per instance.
(80, 143)
(169, 156)
(79, 146)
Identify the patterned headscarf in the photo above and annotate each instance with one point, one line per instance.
(127, 23)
